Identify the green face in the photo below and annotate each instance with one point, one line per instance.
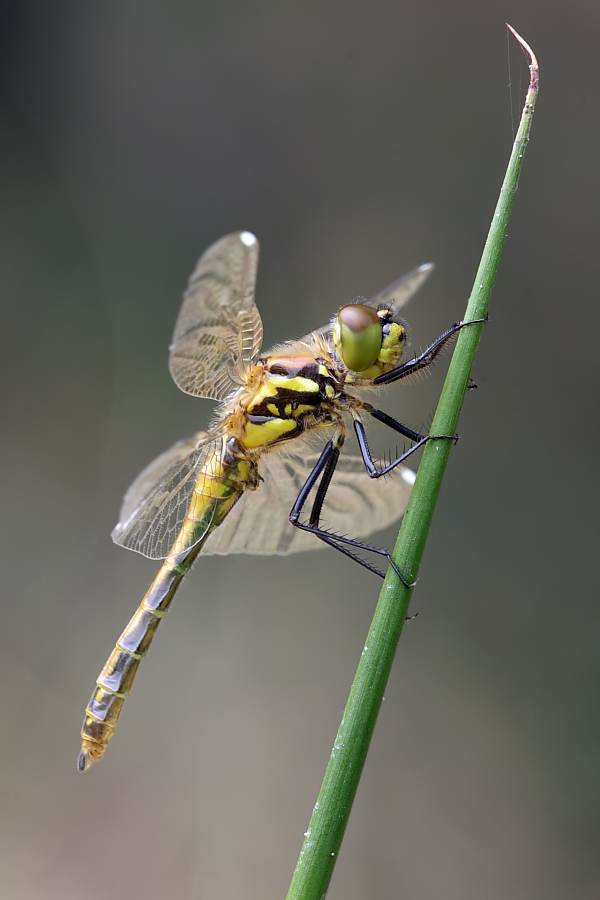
(358, 336)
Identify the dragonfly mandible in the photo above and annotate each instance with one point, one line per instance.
(241, 486)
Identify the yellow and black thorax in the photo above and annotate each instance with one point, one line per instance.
(294, 394)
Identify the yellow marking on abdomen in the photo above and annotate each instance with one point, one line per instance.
(217, 489)
(215, 482)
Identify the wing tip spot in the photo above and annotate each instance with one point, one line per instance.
(247, 238)
(409, 476)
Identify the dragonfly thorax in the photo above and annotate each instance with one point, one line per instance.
(295, 394)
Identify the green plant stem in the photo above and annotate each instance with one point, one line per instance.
(331, 812)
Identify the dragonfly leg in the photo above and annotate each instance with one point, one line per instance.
(324, 470)
(419, 440)
(426, 357)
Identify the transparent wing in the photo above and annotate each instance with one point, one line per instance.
(356, 505)
(155, 505)
(396, 294)
(219, 326)
(325, 331)
(154, 473)
(400, 291)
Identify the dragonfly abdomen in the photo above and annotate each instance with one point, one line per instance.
(115, 681)
(219, 485)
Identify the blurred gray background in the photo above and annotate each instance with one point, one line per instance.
(357, 140)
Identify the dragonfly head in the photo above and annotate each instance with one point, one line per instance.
(369, 341)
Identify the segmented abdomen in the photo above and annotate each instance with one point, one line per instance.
(218, 487)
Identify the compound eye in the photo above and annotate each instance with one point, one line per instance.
(358, 336)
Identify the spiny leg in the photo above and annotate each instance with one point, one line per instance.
(324, 469)
(419, 440)
(426, 357)
(325, 466)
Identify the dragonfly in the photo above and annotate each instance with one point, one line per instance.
(242, 486)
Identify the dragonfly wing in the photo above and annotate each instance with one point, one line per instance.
(400, 291)
(325, 331)
(356, 505)
(154, 473)
(395, 294)
(259, 522)
(155, 505)
(219, 326)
